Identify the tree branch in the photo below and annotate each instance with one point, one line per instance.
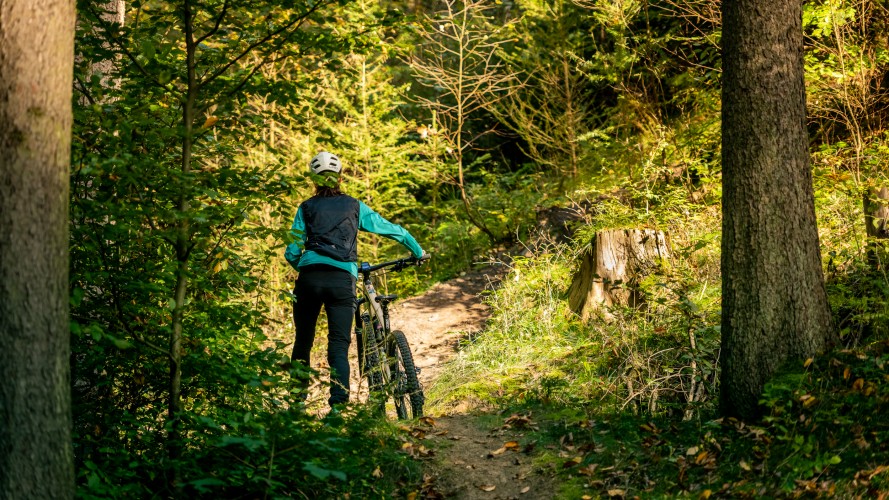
(116, 41)
(216, 26)
(260, 42)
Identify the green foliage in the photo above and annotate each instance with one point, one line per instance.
(266, 450)
(175, 180)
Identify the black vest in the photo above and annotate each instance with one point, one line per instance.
(332, 226)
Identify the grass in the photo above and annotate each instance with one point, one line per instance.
(611, 399)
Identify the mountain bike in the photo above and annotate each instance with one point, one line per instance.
(384, 355)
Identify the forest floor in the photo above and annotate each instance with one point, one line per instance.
(470, 453)
(475, 455)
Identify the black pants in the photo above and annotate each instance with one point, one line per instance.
(333, 288)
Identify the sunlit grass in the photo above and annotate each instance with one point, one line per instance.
(536, 349)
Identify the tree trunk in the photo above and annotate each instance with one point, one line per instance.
(36, 71)
(113, 13)
(876, 221)
(609, 271)
(774, 305)
(183, 243)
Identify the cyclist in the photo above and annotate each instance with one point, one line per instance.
(324, 253)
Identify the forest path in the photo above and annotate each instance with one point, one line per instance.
(475, 456)
(436, 321)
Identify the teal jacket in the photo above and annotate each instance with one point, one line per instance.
(368, 220)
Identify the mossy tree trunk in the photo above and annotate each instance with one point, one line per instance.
(36, 71)
(774, 305)
(618, 258)
(876, 219)
(876, 213)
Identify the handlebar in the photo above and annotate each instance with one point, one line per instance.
(396, 265)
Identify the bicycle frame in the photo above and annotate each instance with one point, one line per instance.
(384, 356)
(379, 304)
(374, 317)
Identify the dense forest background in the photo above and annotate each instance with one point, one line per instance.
(496, 132)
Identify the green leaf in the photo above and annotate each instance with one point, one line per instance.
(202, 485)
(76, 297)
(148, 49)
(120, 343)
(322, 473)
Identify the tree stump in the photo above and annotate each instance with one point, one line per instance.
(618, 259)
(876, 212)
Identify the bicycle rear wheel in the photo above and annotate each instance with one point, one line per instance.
(406, 390)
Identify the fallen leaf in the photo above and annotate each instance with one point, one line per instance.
(407, 446)
(498, 451)
(518, 420)
(878, 470)
(858, 384)
(847, 373)
(526, 489)
(617, 493)
(705, 494)
(808, 362)
(511, 445)
(412, 495)
(428, 421)
(571, 462)
(487, 487)
(692, 451)
(744, 465)
(377, 473)
(589, 470)
(701, 457)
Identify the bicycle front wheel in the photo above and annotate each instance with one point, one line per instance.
(407, 392)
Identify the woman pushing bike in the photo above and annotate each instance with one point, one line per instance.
(325, 253)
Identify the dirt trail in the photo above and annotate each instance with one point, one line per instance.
(476, 456)
(435, 322)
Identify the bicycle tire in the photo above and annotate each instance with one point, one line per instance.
(407, 392)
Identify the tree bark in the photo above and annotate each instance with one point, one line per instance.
(608, 272)
(876, 212)
(114, 12)
(774, 305)
(36, 71)
(183, 242)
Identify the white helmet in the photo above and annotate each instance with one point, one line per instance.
(325, 162)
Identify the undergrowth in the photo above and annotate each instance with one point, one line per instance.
(825, 435)
(625, 404)
(660, 358)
